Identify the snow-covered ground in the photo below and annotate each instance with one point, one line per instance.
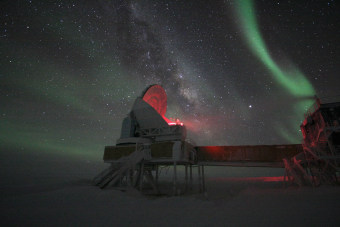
(39, 190)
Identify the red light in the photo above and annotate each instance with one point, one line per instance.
(156, 97)
(214, 149)
(175, 123)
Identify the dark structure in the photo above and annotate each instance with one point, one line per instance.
(321, 129)
(150, 140)
(320, 160)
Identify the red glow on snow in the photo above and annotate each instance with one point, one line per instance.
(250, 179)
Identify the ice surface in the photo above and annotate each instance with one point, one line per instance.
(53, 190)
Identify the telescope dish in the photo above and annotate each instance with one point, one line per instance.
(156, 97)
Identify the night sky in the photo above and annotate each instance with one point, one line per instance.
(235, 72)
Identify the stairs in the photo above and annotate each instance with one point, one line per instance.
(125, 167)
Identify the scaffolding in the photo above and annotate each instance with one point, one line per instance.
(320, 161)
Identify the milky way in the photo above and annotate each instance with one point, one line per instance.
(235, 73)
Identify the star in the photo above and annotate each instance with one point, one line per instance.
(87, 65)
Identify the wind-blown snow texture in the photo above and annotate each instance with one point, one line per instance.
(34, 192)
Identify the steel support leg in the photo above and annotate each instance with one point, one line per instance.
(199, 178)
(190, 177)
(186, 177)
(203, 179)
(175, 179)
(141, 176)
(156, 174)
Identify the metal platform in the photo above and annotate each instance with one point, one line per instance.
(149, 140)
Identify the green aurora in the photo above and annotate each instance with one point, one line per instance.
(289, 78)
(39, 81)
